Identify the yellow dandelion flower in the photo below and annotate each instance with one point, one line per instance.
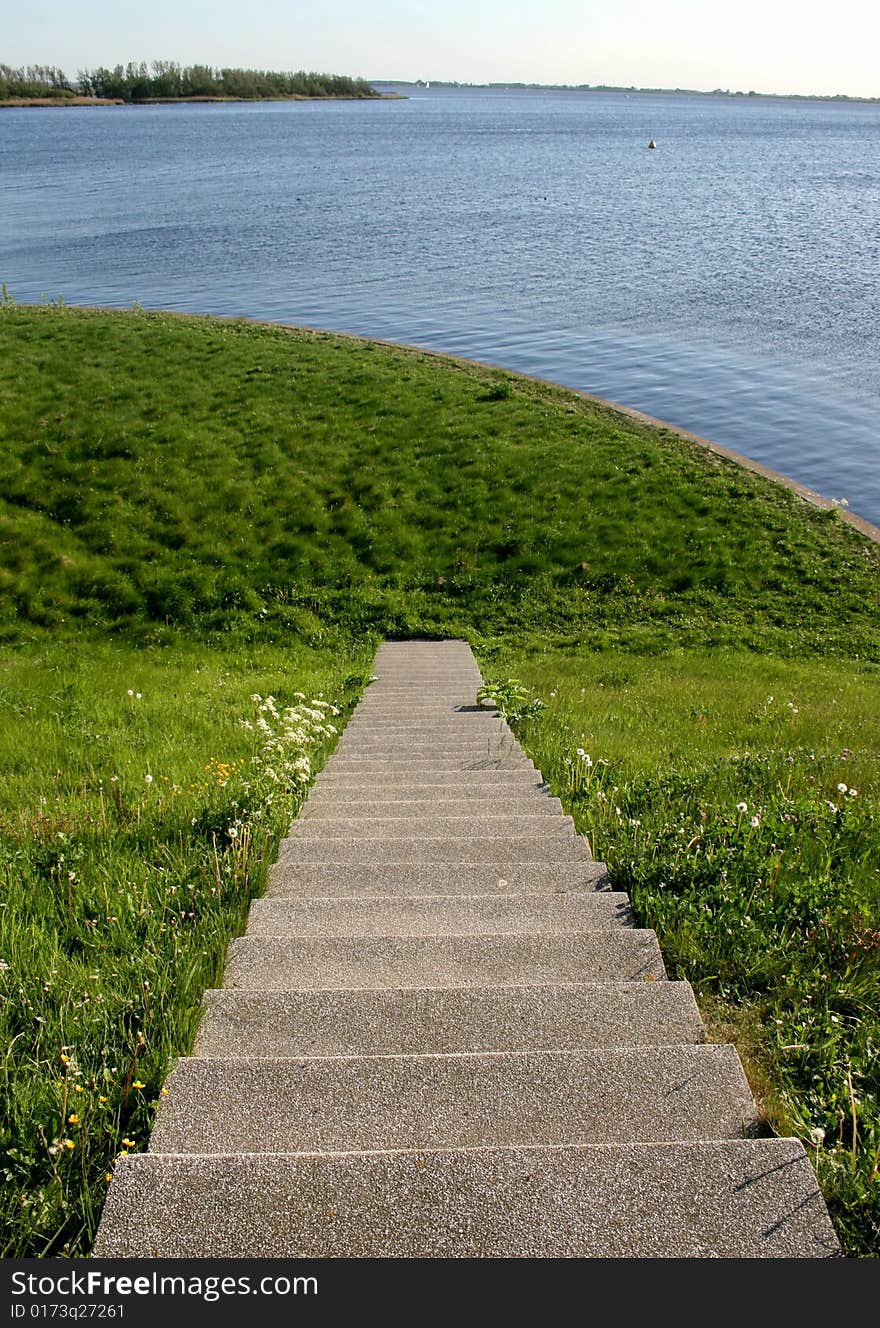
(68, 1144)
(164, 1092)
(78, 1088)
(102, 1099)
(108, 1175)
(65, 1060)
(129, 1143)
(138, 1084)
(73, 1119)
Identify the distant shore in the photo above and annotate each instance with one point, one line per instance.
(12, 102)
(751, 95)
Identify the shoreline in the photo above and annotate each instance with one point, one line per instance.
(16, 103)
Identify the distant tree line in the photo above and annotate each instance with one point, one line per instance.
(34, 81)
(138, 82)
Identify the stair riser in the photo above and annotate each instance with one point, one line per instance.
(522, 915)
(624, 1095)
(366, 851)
(425, 1021)
(749, 1199)
(488, 878)
(275, 964)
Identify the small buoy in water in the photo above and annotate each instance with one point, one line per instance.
(651, 143)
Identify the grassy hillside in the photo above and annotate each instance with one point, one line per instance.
(205, 524)
(166, 471)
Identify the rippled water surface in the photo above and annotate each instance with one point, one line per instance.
(728, 282)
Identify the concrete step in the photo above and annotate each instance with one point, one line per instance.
(435, 1020)
(402, 766)
(434, 716)
(477, 1100)
(748, 1198)
(318, 879)
(440, 915)
(428, 747)
(359, 770)
(430, 824)
(468, 733)
(323, 806)
(489, 790)
(441, 752)
(615, 954)
(547, 848)
(411, 711)
(469, 728)
(485, 782)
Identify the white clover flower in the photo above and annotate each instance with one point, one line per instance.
(256, 698)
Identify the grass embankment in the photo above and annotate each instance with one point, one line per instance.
(189, 501)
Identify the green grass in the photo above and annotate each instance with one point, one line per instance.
(137, 819)
(196, 511)
(176, 471)
(737, 799)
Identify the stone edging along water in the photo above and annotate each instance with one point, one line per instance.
(866, 528)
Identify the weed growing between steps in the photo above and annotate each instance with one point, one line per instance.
(738, 801)
(143, 796)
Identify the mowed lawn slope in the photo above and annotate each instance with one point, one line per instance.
(205, 529)
(164, 470)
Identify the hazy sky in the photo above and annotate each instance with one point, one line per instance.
(768, 45)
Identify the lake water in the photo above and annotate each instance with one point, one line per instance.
(726, 282)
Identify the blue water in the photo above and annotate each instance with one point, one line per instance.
(726, 282)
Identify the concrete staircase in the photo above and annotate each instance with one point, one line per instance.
(443, 1036)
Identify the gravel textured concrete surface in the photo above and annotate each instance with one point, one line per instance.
(319, 879)
(441, 915)
(271, 963)
(754, 1198)
(423, 1020)
(326, 805)
(364, 850)
(353, 1103)
(443, 1036)
(431, 824)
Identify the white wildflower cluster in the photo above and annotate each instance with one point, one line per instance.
(282, 764)
(288, 735)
